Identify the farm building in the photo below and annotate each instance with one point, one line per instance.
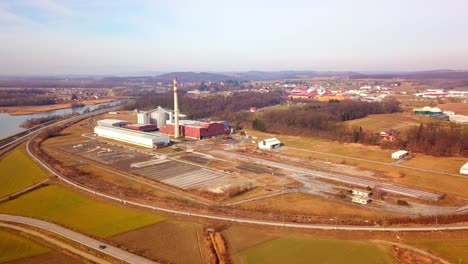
(112, 122)
(360, 199)
(269, 143)
(399, 154)
(464, 169)
(361, 192)
(142, 127)
(435, 110)
(149, 140)
(440, 116)
(197, 129)
(422, 111)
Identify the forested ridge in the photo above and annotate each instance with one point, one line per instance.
(214, 106)
(25, 97)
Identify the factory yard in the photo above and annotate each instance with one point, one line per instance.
(184, 173)
(232, 172)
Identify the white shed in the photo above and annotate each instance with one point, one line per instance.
(269, 143)
(399, 154)
(360, 199)
(464, 169)
(361, 192)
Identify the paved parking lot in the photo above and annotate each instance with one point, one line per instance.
(179, 174)
(171, 172)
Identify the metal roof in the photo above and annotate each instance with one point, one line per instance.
(134, 133)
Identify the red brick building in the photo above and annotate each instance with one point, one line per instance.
(197, 130)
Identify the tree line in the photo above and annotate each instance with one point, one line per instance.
(325, 119)
(435, 138)
(24, 97)
(214, 106)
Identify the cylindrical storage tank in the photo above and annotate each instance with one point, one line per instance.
(142, 118)
(153, 118)
(161, 119)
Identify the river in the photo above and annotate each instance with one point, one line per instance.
(10, 124)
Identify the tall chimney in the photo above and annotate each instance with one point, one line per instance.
(176, 110)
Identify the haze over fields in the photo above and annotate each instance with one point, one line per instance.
(48, 37)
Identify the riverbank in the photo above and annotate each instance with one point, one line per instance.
(27, 110)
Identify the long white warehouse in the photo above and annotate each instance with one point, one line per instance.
(148, 140)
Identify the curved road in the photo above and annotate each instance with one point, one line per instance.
(56, 242)
(246, 220)
(77, 237)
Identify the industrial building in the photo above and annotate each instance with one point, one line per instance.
(464, 169)
(112, 123)
(269, 143)
(144, 139)
(399, 154)
(197, 129)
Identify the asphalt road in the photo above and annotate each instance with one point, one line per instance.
(57, 243)
(77, 237)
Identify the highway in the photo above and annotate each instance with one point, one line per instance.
(77, 237)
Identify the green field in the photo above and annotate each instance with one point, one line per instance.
(13, 247)
(453, 250)
(294, 250)
(62, 206)
(18, 171)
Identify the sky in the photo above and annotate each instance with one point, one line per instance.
(112, 37)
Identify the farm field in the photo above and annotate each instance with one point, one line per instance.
(13, 246)
(453, 250)
(160, 241)
(446, 164)
(384, 122)
(458, 108)
(18, 171)
(332, 147)
(62, 206)
(313, 250)
(53, 257)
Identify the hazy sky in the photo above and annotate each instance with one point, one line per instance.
(125, 36)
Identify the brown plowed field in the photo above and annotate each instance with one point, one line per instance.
(169, 241)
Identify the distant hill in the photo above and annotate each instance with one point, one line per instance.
(195, 77)
(436, 74)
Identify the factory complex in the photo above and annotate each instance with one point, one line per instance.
(163, 120)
